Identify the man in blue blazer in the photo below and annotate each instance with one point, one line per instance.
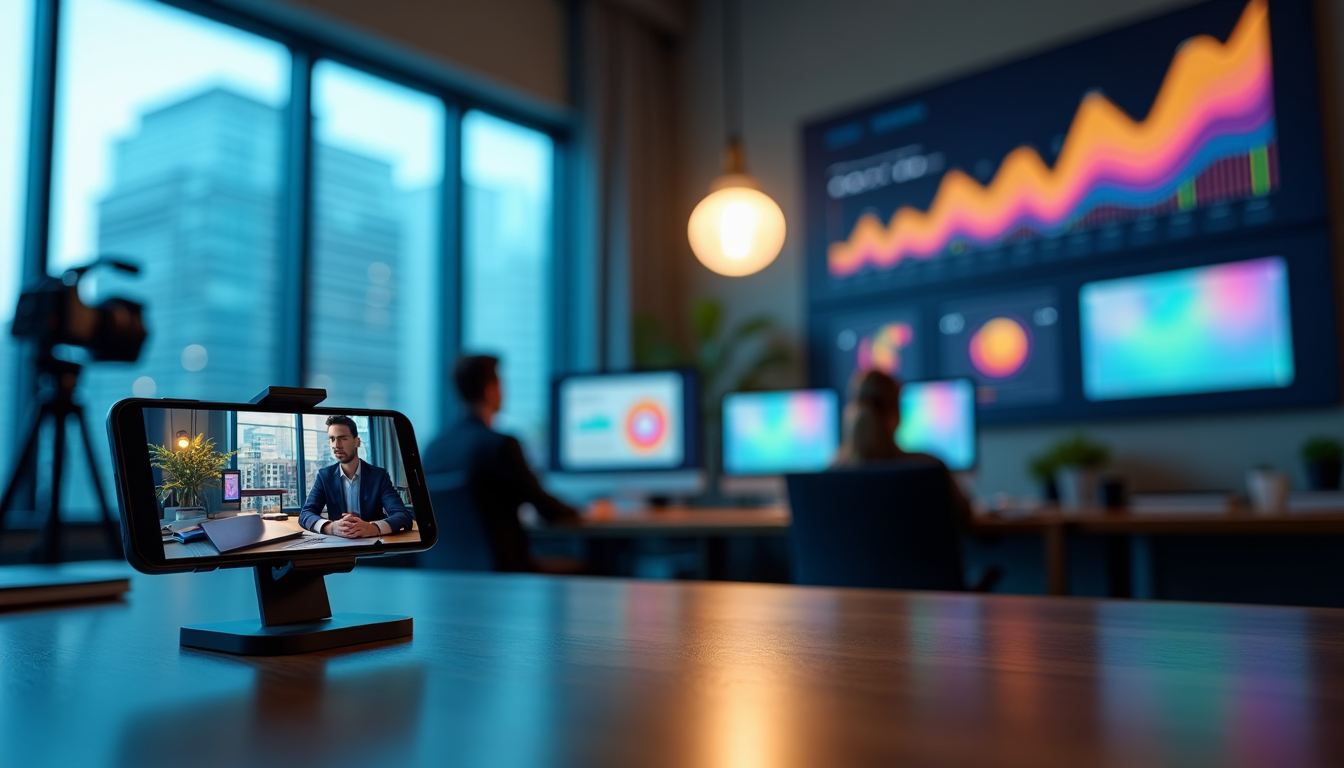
(359, 498)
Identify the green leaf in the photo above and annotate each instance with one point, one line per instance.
(706, 318)
(777, 356)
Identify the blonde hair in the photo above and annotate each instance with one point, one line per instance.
(874, 405)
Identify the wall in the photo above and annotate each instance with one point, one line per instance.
(521, 43)
(808, 58)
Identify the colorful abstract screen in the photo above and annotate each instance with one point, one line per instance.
(771, 433)
(1209, 329)
(938, 418)
(632, 421)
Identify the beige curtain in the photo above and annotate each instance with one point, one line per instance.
(626, 93)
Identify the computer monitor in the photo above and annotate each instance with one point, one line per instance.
(775, 433)
(629, 433)
(938, 418)
(231, 489)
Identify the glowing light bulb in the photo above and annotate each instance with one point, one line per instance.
(736, 230)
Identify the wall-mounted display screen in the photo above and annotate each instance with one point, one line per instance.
(938, 418)
(773, 433)
(626, 421)
(951, 231)
(890, 340)
(1008, 343)
(1209, 329)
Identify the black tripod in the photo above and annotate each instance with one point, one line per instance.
(57, 380)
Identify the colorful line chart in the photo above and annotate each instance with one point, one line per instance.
(1208, 138)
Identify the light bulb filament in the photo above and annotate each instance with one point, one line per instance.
(737, 228)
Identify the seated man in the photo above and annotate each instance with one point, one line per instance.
(495, 471)
(359, 498)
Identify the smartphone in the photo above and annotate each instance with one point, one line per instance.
(194, 478)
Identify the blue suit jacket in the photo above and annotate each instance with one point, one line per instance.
(378, 499)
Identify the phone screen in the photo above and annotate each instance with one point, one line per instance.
(237, 482)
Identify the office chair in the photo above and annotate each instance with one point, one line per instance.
(890, 526)
(463, 544)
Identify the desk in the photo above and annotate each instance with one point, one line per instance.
(539, 671)
(1052, 525)
(174, 550)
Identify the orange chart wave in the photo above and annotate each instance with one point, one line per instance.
(1216, 101)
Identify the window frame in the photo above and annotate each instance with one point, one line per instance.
(310, 38)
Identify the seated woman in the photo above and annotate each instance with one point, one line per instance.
(871, 418)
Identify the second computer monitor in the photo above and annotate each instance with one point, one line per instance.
(624, 422)
(774, 433)
(938, 418)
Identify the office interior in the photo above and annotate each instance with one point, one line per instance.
(330, 194)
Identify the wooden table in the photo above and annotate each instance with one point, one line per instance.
(1051, 524)
(174, 550)
(538, 671)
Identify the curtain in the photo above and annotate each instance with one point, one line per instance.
(626, 94)
(383, 450)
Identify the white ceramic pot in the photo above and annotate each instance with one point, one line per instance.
(1077, 487)
(1268, 490)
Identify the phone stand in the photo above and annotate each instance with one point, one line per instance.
(296, 616)
(295, 611)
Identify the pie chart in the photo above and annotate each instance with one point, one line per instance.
(1000, 347)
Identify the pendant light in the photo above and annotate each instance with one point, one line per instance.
(737, 230)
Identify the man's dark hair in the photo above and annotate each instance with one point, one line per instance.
(473, 374)
(347, 421)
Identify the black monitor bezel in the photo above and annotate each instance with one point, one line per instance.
(690, 423)
(136, 498)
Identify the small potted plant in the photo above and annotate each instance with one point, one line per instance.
(1078, 462)
(1042, 469)
(187, 473)
(1323, 456)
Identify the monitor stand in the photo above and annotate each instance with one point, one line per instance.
(296, 616)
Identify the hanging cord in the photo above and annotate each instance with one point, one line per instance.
(732, 85)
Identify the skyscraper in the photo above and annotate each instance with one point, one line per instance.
(196, 201)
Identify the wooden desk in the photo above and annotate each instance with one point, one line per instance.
(174, 550)
(1051, 524)
(537, 671)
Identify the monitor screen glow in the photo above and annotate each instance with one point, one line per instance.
(938, 418)
(621, 422)
(1219, 328)
(773, 433)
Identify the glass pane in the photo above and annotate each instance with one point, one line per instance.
(16, 33)
(507, 174)
(376, 299)
(268, 458)
(169, 153)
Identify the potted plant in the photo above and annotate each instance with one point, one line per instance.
(1323, 457)
(1042, 469)
(1078, 461)
(187, 473)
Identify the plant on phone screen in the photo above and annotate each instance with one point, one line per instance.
(189, 471)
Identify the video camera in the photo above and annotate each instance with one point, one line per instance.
(52, 313)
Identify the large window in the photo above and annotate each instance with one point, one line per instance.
(168, 152)
(172, 150)
(16, 27)
(376, 278)
(507, 251)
